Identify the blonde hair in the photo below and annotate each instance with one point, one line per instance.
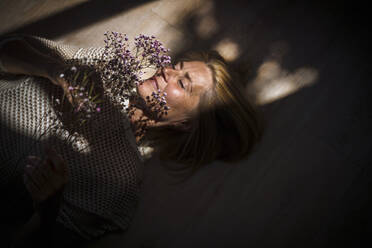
(224, 127)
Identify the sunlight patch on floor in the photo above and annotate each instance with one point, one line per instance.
(228, 49)
(274, 82)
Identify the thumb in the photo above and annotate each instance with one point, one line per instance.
(57, 162)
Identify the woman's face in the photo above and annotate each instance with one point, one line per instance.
(183, 83)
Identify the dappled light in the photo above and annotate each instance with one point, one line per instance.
(188, 25)
(303, 67)
(228, 49)
(206, 23)
(274, 82)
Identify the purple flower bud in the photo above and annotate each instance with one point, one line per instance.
(98, 109)
(71, 88)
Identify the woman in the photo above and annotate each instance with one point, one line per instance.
(209, 119)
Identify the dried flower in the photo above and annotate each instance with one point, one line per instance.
(121, 69)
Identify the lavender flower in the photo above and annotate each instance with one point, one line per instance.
(83, 97)
(121, 69)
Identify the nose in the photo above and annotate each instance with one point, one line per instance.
(169, 73)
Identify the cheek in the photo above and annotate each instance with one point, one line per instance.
(174, 97)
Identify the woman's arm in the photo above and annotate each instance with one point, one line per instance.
(18, 57)
(45, 181)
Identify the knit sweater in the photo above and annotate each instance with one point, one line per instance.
(104, 176)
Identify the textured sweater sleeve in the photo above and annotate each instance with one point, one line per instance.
(51, 48)
(4, 40)
(66, 53)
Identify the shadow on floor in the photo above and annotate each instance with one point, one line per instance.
(76, 17)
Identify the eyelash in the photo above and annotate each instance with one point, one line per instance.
(181, 84)
(179, 81)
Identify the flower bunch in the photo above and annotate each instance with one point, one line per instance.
(116, 76)
(152, 51)
(82, 93)
(121, 67)
(78, 105)
(157, 103)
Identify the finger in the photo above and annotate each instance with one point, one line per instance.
(63, 168)
(50, 158)
(55, 184)
(38, 176)
(54, 180)
(36, 195)
(33, 160)
(28, 172)
(47, 170)
(31, 188)
(57, 161)
(27, 183)
(65, 87)
(40, 173)
(39, 184)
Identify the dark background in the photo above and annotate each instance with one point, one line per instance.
(308, 182)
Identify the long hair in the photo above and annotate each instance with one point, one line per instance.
(224, 127)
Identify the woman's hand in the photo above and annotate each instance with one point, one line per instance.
(54, 73)
(45, 178)
(45, 181)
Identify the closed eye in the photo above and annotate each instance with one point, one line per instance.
(181, 84)
(179, 81)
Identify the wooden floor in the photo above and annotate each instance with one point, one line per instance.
(307, 67)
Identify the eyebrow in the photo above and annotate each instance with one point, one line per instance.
(187, 75)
